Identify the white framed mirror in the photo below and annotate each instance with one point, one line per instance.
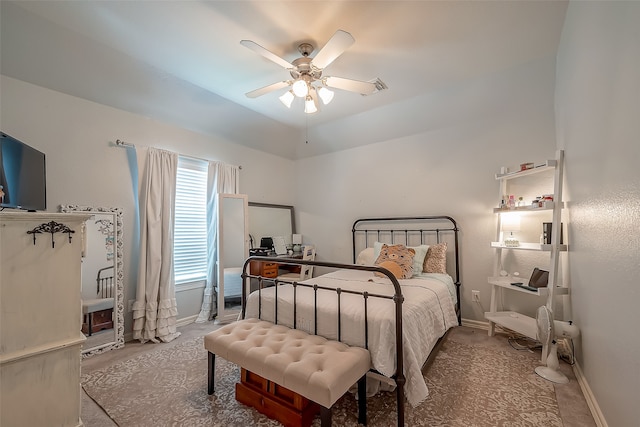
(233, 250)
(102, 278)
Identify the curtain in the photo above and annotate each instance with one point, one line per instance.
(155, 309)
(221, 178)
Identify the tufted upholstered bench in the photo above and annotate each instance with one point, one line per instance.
(319, 369)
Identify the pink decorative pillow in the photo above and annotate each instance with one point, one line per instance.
(436, 259)
(398, 259)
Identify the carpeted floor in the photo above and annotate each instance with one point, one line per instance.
(474, 381)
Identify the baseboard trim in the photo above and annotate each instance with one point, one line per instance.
(186, 320)
(477, 324)
(179, 322)
(589, 397)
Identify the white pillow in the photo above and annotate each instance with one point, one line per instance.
(418, 259)
(365, 257)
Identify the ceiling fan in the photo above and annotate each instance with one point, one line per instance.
(306, 73)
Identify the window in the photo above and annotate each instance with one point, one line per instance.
(190, 229)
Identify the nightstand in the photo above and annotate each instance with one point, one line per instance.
(268, 269)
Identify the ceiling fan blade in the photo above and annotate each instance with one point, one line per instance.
(364, 88)
(264, 90)
(337, 44)
(267, 54)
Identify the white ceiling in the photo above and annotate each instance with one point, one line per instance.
(181, 61)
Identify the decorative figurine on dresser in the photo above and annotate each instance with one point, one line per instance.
(40, 318)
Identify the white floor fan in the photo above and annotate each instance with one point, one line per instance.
(548, 330)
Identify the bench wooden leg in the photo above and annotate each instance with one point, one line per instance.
(211, 373)
(362, 400)
(325, 416)
(89, 316)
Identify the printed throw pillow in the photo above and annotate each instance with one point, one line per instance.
(418, 259)
(398, 259)
(436, 259)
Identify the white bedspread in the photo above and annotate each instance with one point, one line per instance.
(427, 313)
(233, 282)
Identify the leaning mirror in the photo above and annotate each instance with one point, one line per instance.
(102, 279)
(269, 220)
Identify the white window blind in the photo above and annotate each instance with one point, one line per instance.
(190, 230)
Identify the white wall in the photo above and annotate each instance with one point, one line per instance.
(449, 171)
(85, 167)
(598, 116)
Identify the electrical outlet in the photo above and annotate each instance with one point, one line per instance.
(475, 296)
(130, 305)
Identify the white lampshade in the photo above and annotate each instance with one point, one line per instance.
(310, 106)
(297, 239)
(511, 222)
(325, 94)
(287, 98)
(300, 88)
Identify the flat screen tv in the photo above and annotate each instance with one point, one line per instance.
(23, 178)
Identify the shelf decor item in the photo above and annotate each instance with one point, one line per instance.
(511, 223)
(526, 166)
(547, 227)
(297, 242)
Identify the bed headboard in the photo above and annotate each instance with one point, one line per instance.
(411, 231)
(105, 282)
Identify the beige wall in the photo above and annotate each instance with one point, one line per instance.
(598, 116)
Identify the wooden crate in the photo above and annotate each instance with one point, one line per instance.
(274, 401)
(100, 320)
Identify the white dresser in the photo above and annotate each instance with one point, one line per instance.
(40, 319)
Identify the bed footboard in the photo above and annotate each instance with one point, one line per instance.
(397, 299)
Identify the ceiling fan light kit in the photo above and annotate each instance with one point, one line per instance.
(310, 105)
(300, 88)
(306, 72)
(325, 94)
(287, 98)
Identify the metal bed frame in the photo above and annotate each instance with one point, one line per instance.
(105, 282)
(384, 231)
(360, 227)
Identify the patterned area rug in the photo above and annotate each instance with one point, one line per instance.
(468, 385)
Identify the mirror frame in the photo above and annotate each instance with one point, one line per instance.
(119, 275)
(269, 205)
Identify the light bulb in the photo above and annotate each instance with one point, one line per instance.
(325, 94)
(287, 98)
(310, 106)
(300, 88)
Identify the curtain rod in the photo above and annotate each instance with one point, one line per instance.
(121, 143)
